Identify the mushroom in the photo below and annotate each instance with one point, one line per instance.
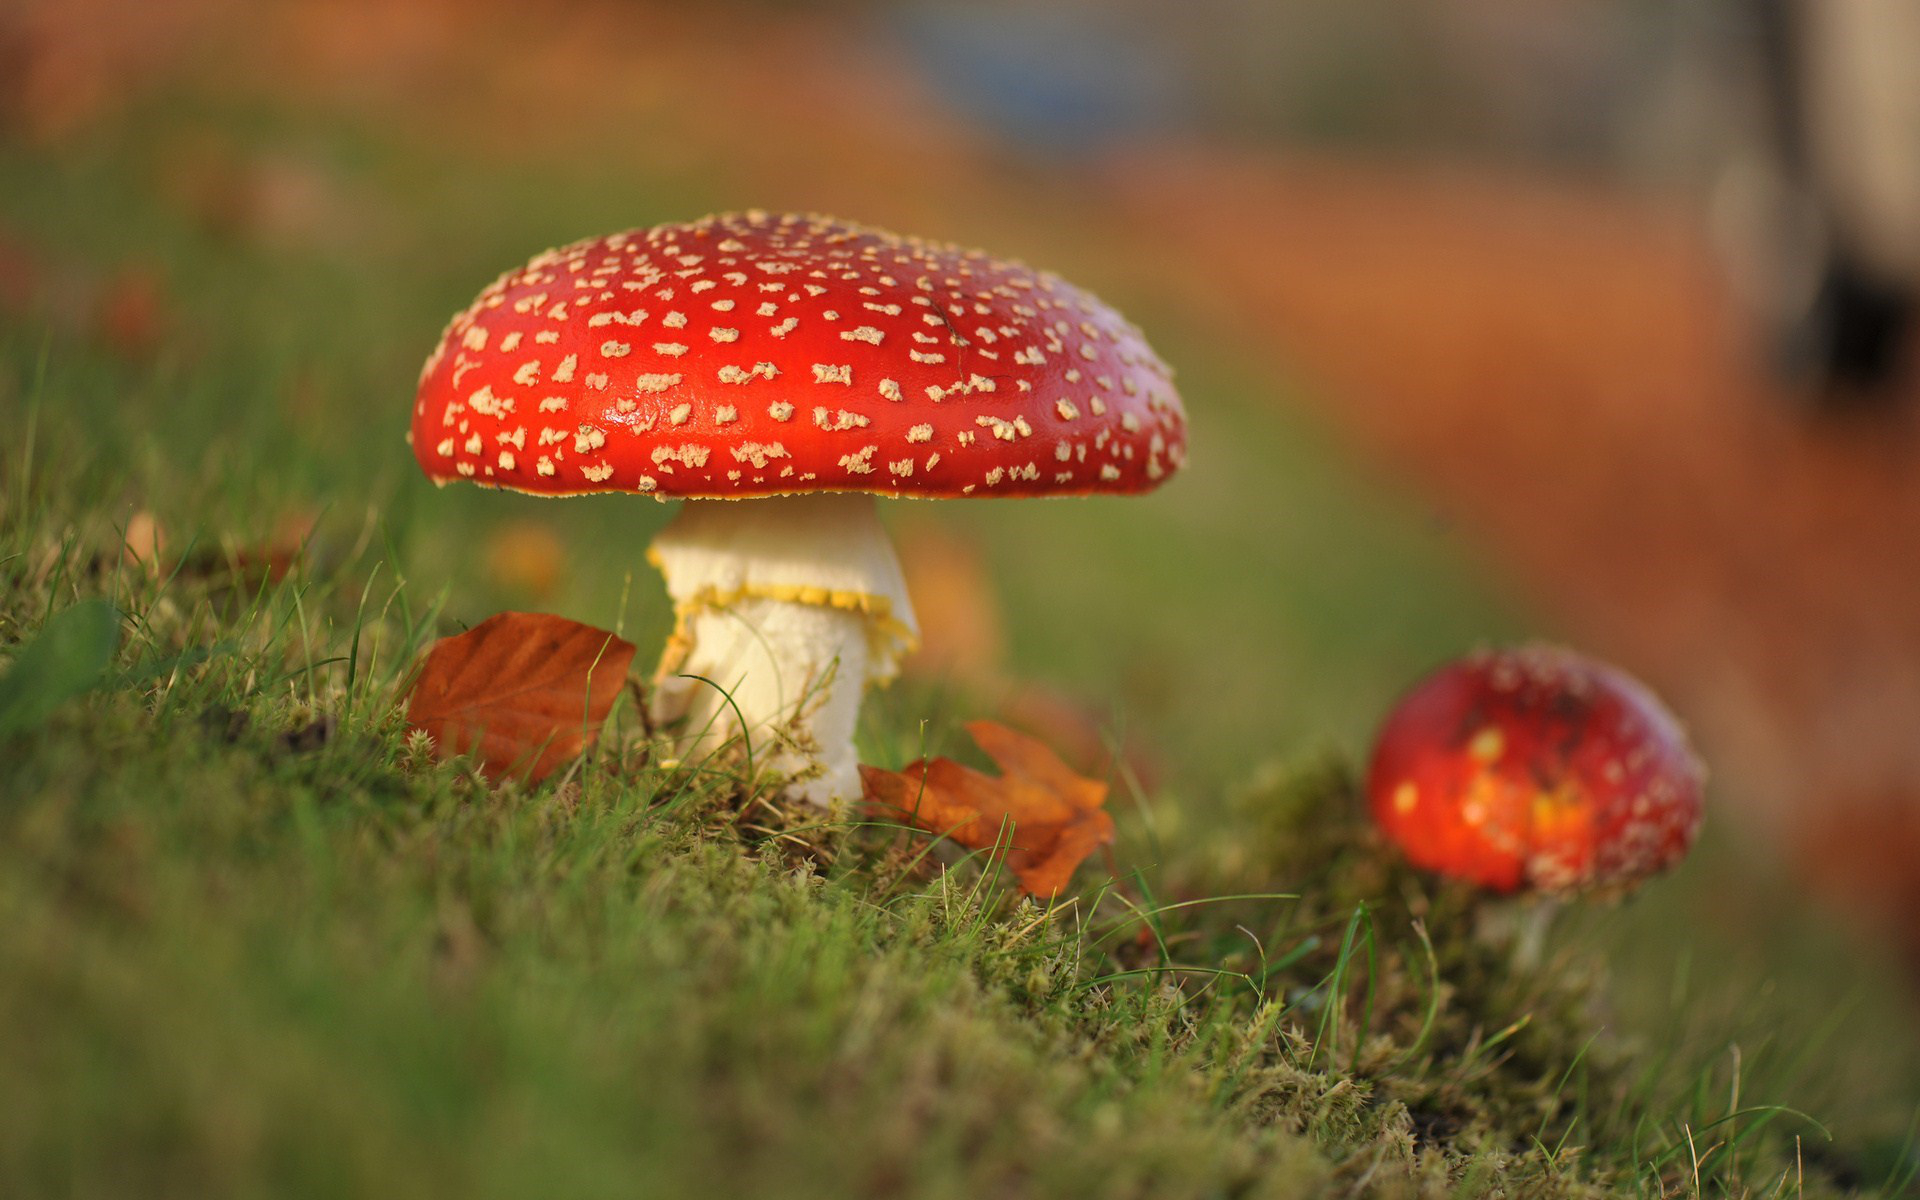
(778, 373)
(1539, 769)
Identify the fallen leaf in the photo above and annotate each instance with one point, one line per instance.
(1044, 819)
(22, 276)
(130, 314)
(145, 541)
(1079, 733)
(524, 693)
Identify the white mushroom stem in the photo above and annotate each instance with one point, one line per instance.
(787, 609)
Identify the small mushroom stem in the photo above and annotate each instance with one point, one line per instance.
(1530, 942)
(1522, 924)
(785, 610)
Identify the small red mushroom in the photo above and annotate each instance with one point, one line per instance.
(778, 372)
(1536, 769)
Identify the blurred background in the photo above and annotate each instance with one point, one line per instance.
(1586, 319)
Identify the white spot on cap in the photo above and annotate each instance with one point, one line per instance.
(647, 384)
(1488, 744)
(839, 421)
(487, 404)
(690, 455)
(615, 349)
(736, 374)
(724, 335)
(758, 453)
(865, 333)
(920, 433)
(670, 349)
(564, 372)
(832, 373)
(891, 390)
(860, 461)
(780, 410)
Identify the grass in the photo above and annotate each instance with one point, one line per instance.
(254, 942)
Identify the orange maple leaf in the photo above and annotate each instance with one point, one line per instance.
(522, 692)
(1040, 816)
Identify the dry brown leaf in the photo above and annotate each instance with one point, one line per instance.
(145, 541)
(524, 693)
(131, 313)
(23, 276)
(1041, 816)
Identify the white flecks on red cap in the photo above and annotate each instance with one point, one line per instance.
(1536, 767)
(673, 361)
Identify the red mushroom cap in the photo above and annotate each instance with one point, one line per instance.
(1536, 768)
(756, 355)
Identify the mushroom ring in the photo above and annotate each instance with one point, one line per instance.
(778, 372)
